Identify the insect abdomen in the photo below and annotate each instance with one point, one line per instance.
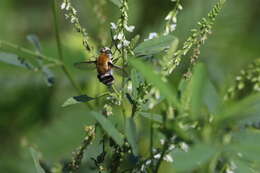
(106, 78)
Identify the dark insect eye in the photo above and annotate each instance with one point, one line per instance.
(108, 52)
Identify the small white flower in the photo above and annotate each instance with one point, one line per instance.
(168, 158)
(130, 87)
(68, 6)
(157, 94)
(172, 27)
(74, 11)
(157, 156)
(174, 19)
(169, 16)
(180, 7)
(151, 36)
(126, 43)
(63, 5)
(142, 168)
(238, 78)
(229, 171)
(162, 141)
(171, 147)
(113, 26)
(148, 162)
(72, 20)
(120, 36)
(119, 46)
(130, 28)
(184, 146)
(150, 105)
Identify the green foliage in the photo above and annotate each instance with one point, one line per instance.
(36, 160)
(76, 100)
(154, 46)
(194, 158)
(150, 117)
(108, 127)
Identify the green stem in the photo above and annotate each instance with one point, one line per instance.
(63, 67)
(151, 142)
(10, 47)
(165, 147)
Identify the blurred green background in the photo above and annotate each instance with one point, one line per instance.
(31, 113)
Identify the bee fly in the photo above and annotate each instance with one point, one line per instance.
(104, 66)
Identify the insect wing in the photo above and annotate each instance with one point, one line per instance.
(119, 70)
(86, 65)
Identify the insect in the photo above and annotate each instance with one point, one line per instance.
(104, 66)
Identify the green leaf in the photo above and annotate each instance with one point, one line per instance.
(14, 59)
(242, 167)
(247, 144)
(77, 99)
(136, 80)
(36, 159)
(246, 108)
(155, 45)
(131, 135)
(194, 158)
(116, 2)
(150, 116)
(197, 89)
(109, 128)
(149, 74)
(134, 41)
(211, 97)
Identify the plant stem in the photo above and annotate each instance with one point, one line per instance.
(165, 147)
(151, 142)
(63, 67)
(10, 47)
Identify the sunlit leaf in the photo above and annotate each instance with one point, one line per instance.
(149, 74)
(151, 116)
(131, 134)
(194, 158)
(197, 89)
(155, 45)
(36, 158)
(109, 128)
(77, 99)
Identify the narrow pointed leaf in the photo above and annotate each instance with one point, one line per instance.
(150, 116)
(77, 99)
(36, 159)
(131, 134)
(149, 74)
(194, 158)
(246, 108)
(197, 89)
(155, 45)
(109, 128)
